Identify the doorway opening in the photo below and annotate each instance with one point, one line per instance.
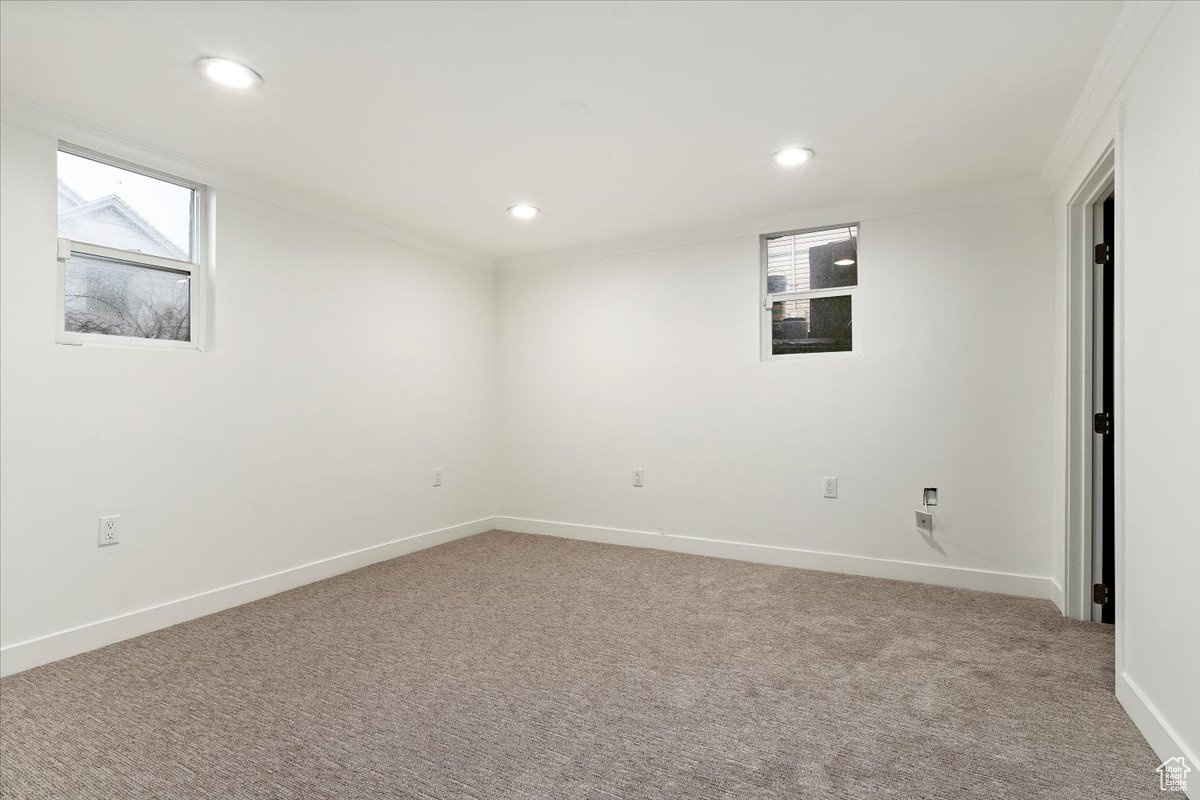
(1092, 557)
(1103, 397)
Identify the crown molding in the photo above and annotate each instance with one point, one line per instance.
(1135, 25)
(60, 126)
(913, 204)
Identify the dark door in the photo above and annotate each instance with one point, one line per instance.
(1105, 593)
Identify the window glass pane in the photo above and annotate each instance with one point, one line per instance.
(824, 259)
(815, 325)
(113, 207)
(122, 299)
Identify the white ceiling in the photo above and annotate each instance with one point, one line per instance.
(617, 118)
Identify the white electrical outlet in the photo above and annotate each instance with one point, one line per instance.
(437, 476)
(639, 478)
(830, 485)
(110, 530)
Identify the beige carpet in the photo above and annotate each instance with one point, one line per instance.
(514, 666)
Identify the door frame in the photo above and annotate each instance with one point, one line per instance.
(1103, 179)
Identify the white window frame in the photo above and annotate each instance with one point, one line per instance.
(196, 270)
(768, 300)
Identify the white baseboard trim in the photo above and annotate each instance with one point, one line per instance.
(1057, 597)
(1164, 740)
(959, 577)
(62, 644)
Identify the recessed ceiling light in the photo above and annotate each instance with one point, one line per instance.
(791, 156)
(228, 73)
(524, 211)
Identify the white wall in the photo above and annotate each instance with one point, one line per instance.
(1159, 165)
(651, 360)
(1152, 112)
(346, 367)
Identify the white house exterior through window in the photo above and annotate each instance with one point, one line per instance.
(131, 250)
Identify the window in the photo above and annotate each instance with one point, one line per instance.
(808, 280)
(130, 248)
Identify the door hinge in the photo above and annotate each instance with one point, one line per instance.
(1100, 594)
(1102, 423)
(1103, 252)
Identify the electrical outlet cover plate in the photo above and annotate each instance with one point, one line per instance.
(639, 478)
(437, 476)
(829, 487)
(925, 521)
(110, 531)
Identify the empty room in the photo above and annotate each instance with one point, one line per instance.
(618, 399)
